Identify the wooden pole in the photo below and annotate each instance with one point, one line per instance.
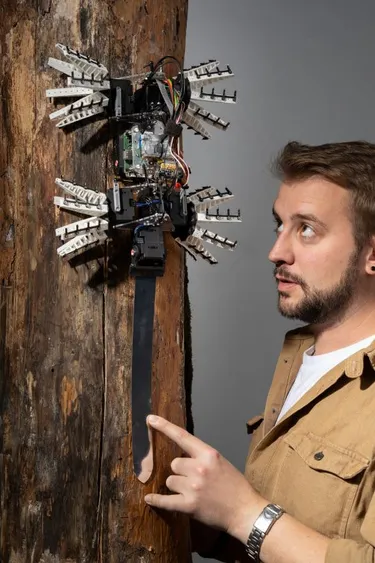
(67, 488)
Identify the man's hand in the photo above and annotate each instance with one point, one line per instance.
(206, 485)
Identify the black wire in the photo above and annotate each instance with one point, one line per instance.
(159, 63)
(162, 63)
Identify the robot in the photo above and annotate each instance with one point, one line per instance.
(144, 114)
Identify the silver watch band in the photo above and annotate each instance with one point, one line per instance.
(254, 543)
(262, 526)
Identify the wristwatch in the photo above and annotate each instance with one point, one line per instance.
(261, 527)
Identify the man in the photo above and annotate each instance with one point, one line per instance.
(312, 453)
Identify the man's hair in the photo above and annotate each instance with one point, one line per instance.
(350, 165)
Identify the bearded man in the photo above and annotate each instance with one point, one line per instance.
(308, 493)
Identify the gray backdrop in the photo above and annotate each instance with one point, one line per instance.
(304, 71)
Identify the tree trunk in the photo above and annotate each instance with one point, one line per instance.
(67, 488)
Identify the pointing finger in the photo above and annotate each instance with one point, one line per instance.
(189, 443)
(166, 502)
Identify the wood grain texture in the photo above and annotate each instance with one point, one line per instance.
(67, 489)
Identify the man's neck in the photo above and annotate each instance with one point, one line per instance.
(357, 324)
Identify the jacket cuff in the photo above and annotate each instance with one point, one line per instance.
(347, 551)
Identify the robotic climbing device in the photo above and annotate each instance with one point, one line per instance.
(145, 115)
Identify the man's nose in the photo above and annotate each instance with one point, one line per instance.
(282, 251)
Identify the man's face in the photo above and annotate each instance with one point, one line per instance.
(317, 263)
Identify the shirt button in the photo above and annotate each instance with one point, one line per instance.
(318, 456)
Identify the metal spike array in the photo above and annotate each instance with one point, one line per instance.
(213, 96)
(195, 248)
(194, 123)
(214, 238)
(82, 242)
(199, 77)
(85, 232)
(195, 111)
(205, 199)
(208, 198)
(88, 80)
(96, 101)
(220, 217)
(89, 67)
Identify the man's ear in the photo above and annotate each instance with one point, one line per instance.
(370, 258)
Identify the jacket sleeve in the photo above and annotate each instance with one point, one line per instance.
(349, 551)
(346, 551)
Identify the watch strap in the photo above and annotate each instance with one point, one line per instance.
(257, 536)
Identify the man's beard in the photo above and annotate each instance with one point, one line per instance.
(322, 306)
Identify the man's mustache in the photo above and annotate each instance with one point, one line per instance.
(283, 273)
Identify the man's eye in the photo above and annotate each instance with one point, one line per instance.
(307, 231)
(278, 227)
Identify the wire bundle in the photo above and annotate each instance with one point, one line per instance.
(178, 111)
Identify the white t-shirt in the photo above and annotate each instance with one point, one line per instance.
(314, 367)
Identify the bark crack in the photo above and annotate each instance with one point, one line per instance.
(45, 6)
(99, 508)
(12, 266)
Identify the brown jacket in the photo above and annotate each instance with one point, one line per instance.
(318, 462)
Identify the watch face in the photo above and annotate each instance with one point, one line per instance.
(269, 513)
(266, 518)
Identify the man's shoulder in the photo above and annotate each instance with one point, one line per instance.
(297, 339)
(300, 333)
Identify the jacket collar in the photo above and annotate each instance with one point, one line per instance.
(352, 366)
(296, 343)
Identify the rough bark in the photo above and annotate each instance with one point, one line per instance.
(67, 488)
